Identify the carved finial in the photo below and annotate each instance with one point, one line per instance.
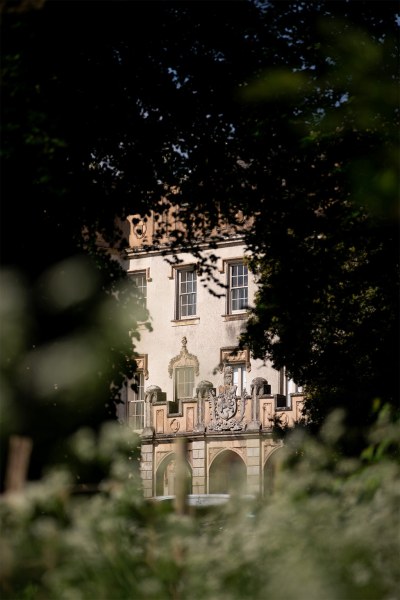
(184, 342)
(228, 375)
(228, 380)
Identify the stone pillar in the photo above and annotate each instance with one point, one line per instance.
(199, 467)
(147, 470)
(202, 393)
(149, 397)
(257, 389)
(253, 466)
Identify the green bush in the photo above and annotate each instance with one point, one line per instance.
(330, 531)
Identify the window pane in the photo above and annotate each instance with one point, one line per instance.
(239, 298)
(139, 279)
(187, 293)
(238, 287)
(136, 403)
(239, 378)
(184, 382)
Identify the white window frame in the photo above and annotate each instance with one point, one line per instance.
(142, 286)
(135, 402)
(233, 280)
(186, 293)
(188, 384)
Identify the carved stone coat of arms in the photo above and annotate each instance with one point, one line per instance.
(226, 410)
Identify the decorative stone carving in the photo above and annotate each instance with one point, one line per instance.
(232, 355)
(141, 363)
(299, 410)
(283, 419)
(227, 410)
(183, 359)
(268, 417)
(228, 378)
(139, 229)
(174, 425)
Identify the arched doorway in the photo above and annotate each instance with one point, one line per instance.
(165, 477)
(227, 474)
(270, 470)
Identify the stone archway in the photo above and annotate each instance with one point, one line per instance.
(270, 470)
(165, 476)
(227, 474)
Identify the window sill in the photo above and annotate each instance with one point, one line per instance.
(178, 322)
(235, 317)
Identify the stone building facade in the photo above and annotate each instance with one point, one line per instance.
(194, 383)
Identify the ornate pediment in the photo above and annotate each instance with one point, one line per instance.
(233, 355)
(183, 359)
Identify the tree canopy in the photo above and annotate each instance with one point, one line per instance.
(286, 111)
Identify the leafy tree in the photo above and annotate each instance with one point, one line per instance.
(284, 111)
(328, 265)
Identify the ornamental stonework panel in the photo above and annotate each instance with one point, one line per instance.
(174, 425)
(142, 364)
(160, 421)
(267, 418)
(190, 419)
(299, 408)
(233, 355)
(227, 410)
(183, 359)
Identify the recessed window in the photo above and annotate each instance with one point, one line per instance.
(186, 293)
(238, 297)
(184, 383)
(140, 280)
(135, 402)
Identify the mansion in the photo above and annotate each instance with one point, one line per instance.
(193, 382)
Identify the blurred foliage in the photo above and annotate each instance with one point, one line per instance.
(328, 260)
(287, 112)
(74, 376)
(330, 530)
